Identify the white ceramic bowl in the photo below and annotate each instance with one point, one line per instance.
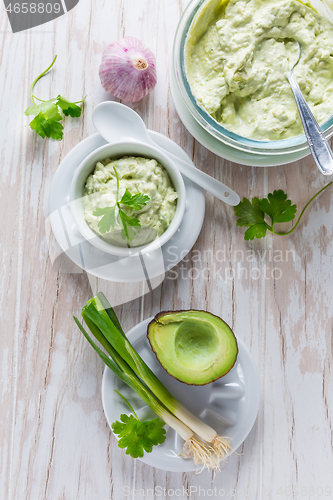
(118, 150)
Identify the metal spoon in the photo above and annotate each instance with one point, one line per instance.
(318, 144)
(116, 122)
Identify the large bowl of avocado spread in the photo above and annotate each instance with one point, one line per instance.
(231, 58)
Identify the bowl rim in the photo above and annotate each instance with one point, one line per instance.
(170, 167)
(205, 120)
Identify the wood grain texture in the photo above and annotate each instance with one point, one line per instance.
(275, 293)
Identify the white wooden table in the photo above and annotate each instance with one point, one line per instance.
(275, 293)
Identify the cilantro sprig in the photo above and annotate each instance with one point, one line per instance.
(137, 436)
(47, 116)
(109, 218)
(253, 214)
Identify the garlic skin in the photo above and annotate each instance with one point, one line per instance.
(128, 69)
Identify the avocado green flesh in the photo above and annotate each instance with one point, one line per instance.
(195, 347)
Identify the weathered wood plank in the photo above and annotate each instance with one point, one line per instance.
(276, 294)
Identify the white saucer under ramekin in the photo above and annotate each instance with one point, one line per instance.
(109, 267)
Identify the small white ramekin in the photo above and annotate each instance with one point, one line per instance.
(113, 151)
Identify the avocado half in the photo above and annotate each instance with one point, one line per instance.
(195, 347)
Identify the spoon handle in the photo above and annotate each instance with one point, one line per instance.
(208, 183)
(318, 144)
(116, 122)
(211, 185)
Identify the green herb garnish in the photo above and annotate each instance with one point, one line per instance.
(137, 436)
(136, 201)
(47, 116)
(252, 214)
(108, 220)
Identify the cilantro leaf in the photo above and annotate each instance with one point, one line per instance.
(69, 108)
(278, 208)
(137, 436)
(47, 127)
(128, 223)
(256, 231)
(128, 233)
(136, 201)
(108, 220)
(47, 113)
(249, 213)
(47, 108)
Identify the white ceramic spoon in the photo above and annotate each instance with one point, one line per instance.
(116, 122)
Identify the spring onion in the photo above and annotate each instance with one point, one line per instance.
(99, 312)
(202, 453)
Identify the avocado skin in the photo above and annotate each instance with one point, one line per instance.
(177, 311)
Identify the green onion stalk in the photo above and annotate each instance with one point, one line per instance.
(202, 453)
(208, 448)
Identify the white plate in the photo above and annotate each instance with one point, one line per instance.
(110, 267)
(230, 405)
(218, 147)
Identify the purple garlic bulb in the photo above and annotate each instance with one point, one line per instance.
(128, 69)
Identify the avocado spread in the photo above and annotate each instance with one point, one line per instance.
(237, 56)
(138, 175)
